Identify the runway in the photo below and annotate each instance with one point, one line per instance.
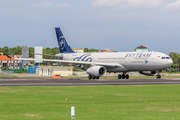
(75, 82)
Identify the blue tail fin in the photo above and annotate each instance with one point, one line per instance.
(62, 42)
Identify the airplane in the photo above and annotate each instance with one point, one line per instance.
(98, 64)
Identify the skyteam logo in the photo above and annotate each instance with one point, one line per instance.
(61, 42)
(146, 62)
(84, 57)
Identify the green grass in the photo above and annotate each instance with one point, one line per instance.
(7, 76)
(146, 102)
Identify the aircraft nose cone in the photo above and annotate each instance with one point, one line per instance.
(170, 62)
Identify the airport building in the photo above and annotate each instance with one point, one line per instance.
(141, 49)
(1, 53)
(8, 62)
(77, 50)
(106, 50)
(55, 70)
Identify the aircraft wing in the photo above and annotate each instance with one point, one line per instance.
(74, 62)
(60, 56)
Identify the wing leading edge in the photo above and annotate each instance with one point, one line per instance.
(75, 62)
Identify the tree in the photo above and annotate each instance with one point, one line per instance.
(10, 52)
(5, 50)
(176, 60)
(86, 49)
(17, 50)
(31, 52)
(90, 50)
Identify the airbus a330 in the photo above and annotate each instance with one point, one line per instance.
(97, 64)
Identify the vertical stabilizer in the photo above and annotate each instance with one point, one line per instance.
(62, 42)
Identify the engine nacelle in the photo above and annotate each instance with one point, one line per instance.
(96, 71)
(148, 73)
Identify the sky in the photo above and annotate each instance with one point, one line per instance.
(120, 25)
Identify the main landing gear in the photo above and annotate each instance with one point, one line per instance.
(123, 76)
(93, 77)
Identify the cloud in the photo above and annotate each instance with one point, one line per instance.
(50, 5)
(175, 5)
(47, 5)
(126, 4)
(62, 5)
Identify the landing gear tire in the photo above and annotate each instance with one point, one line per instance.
(89, 76)
(94, 77)
(158, 76)
(119, 76)
(123, 76)
(127, 76)
(97, 77)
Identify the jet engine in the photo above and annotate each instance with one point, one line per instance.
(96, 71)
(148, 73)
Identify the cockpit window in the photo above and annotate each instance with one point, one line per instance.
(165, 58)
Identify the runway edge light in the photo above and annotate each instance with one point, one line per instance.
(73, 112)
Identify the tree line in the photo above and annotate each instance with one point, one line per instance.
(49, 51)
(52, 51)
(176, 61)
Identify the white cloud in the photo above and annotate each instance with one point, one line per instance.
(46, 5)
(175, 5)
(144, 3)
(124, 4)
(62, 5)
(50, 5)
(110, 3)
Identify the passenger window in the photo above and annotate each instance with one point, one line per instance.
(165, 58)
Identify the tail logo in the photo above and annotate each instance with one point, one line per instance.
(61, 42)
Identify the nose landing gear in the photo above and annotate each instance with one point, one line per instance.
(158, 76)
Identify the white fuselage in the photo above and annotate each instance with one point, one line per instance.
(130, 61)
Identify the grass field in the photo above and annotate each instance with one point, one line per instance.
(141, 102)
